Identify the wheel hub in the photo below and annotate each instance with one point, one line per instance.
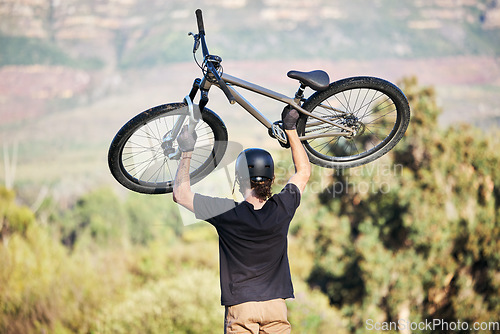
(350, 120)
(353, 123)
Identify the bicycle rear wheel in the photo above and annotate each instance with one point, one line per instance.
(375, 109)
(139, 162)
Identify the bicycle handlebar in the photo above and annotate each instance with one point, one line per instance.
(199, 18)
(211, 68)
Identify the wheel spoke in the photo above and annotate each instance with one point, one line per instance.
(143, 160)
(389, 112)
(369, 111)
(143, 157)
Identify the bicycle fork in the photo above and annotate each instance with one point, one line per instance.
(194, 118)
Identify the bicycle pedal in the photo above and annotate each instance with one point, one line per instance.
(279, 133)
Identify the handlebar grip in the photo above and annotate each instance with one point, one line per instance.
(199, 18)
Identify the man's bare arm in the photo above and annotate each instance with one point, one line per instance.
(299, 155)
(300, 160)
(183, 194)
(182, 185)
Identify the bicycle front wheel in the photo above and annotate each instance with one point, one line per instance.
(138, 160)
(373, 114)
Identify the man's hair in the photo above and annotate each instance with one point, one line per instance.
(262, 189)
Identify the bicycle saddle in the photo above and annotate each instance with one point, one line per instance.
(317, 80)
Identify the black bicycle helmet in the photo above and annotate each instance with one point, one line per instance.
(256, 164)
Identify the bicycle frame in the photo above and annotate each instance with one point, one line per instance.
(245, 104)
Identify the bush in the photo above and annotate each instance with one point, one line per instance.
(187, 303)
(311, 313)
(43, 288)
(13, 218)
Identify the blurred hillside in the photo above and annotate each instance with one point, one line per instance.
(133, 33)
(73, 72)
(82, 50)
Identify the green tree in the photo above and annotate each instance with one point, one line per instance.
(413, 236)
(151, 217)
(98, 217)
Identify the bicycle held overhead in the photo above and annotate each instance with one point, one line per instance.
(342, 124)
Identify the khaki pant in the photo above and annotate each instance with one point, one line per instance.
(257, 318)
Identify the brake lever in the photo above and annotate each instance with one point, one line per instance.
(196, 41)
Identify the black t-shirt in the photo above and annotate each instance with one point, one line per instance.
(252, 245)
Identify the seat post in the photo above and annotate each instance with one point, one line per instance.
(300, 93)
